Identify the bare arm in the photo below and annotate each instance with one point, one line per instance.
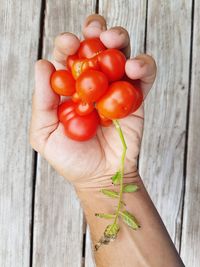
(149, 246)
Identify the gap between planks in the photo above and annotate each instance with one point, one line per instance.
(187, 122)
(35, 158)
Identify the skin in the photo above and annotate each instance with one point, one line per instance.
(89, 165)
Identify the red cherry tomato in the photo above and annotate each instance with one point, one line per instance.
(70, 60)
(79, 128)
(82, 128)
(84, 108)
(81, 65)
(76, 98)
(90, 48)
(104, 121)
(91, 85)
(62, 82)
(65, 109)
(136, 85)
(139, 100)
(112, 63)
(120, 100)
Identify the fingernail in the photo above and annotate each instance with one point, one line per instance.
(117, 31)
(95, 24)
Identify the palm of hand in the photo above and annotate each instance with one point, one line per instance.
(92, 163)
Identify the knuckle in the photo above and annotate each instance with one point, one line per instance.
(121, 30)
(150, 61)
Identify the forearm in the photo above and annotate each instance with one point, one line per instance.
(149, 246)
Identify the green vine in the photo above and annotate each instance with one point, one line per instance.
(112, 230)
(119, 130)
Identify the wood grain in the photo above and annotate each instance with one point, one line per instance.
(191, 221)
(19, 29)
(58, 225)
(162, 154)
(130, 15)
(58, 219)
(89, 251)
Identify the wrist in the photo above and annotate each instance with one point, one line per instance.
(94, 202)
(132, 246)
(96, 183)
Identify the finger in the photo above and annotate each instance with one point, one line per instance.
(93, 26)
(44, 108)
(117, 37)
(65, 44)
(142, 68)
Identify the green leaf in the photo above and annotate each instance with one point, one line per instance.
(129, 188)
(129, 219)
(105, 216)
(116, 178)
(110, 193)
(111, 231)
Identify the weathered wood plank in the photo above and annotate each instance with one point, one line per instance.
(191, 224)
(89, 255)
(19, 29)
(58, 227)
(162, 155)
(130, 15)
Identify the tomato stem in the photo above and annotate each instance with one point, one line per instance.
(119, 130)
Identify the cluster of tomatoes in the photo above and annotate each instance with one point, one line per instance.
(97, 87)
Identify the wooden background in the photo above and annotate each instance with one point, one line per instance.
(41, 222)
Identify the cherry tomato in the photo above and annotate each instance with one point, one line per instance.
(120, 100)
(139, 100)
(136, 84)
(65, 109)
(84, 108)
(112, 63)
(76, 98)
(104, 121)
(79, 128)
(91, 63)
(62, 82)
(81, 65)
(91, 85)
(90, 48)
(70, 60)
(77, 68)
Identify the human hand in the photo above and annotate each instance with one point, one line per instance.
(88, 164)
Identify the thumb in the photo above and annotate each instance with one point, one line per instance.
(44, 107)
(142, 68)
